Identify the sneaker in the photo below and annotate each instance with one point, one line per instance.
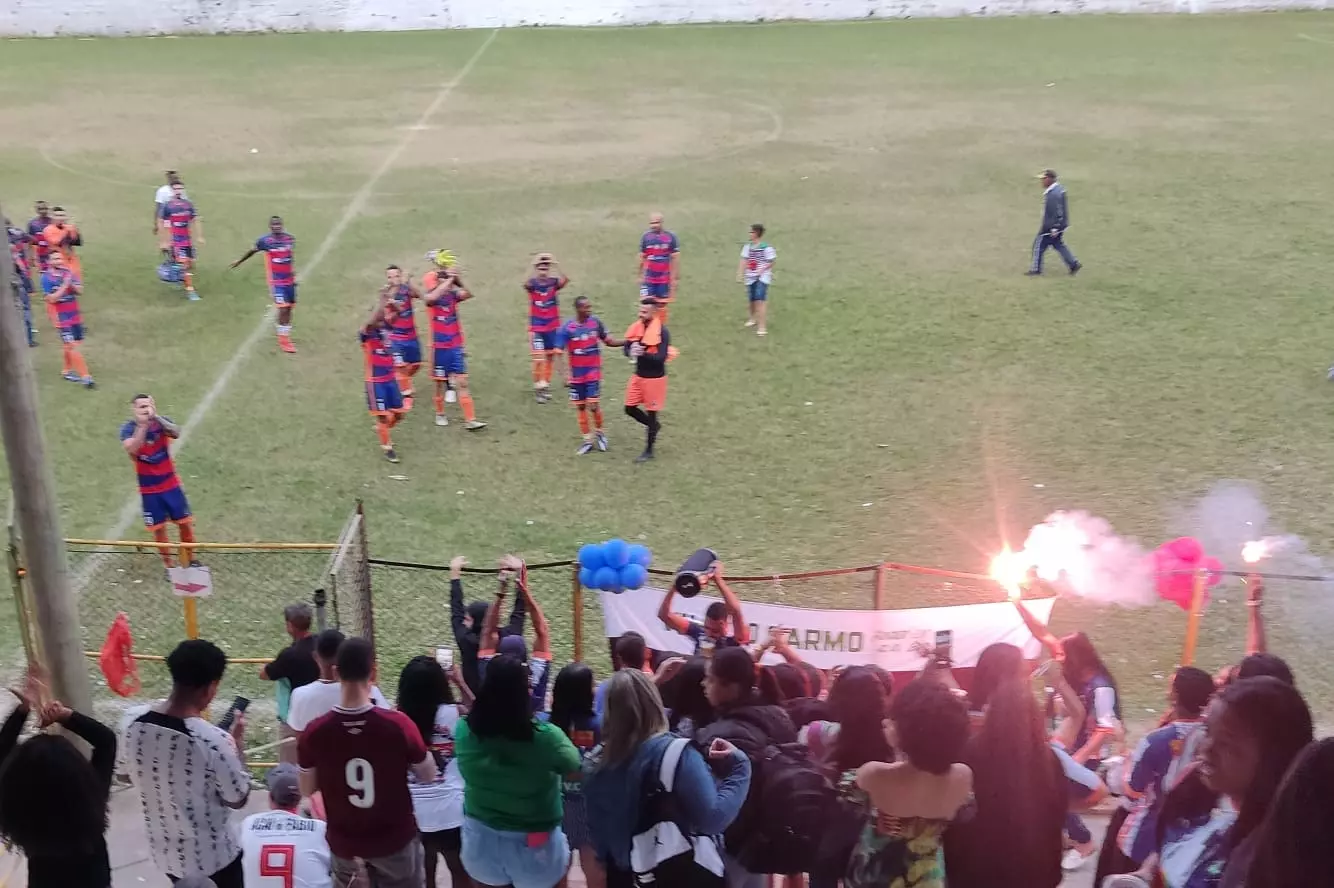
(1031, 273)
(1073, 860)
(1074, 269)
(196, 563)
(407, 403)
(601, 440)
(390, 455)
(441, 419)
(644, 457)
(88, 383)
(71, 376)
(192, 295)
(473, 425)
(761, 332)
(286, 345)
(542, 395)
(450, 396)
(584, 449)
(750, 322)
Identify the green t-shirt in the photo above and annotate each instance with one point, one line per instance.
(512, 786)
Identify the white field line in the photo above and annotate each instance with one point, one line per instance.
(133, 511)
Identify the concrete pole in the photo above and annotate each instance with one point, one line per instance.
(35, 508)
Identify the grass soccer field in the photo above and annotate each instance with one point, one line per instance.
(917, 398)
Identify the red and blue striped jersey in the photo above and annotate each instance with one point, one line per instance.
(40, 248)
(445, 329)
(543, 304)
(157, 473)
(379, 358)
(583, 342)
(178, 213)
(67, 305)
(402, 325)
(658, 247)
(277, 250)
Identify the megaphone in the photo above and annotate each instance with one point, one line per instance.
(695, 573)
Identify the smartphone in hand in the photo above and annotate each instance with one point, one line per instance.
(238, 706)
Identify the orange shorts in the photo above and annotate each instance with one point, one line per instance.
(651, 393)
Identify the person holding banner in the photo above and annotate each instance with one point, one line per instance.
(712, 633)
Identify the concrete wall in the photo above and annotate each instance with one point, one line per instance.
(40, 18)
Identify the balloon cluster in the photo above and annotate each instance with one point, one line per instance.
(614, 566)
(1175, 564)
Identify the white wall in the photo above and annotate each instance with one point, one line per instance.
(42, 18)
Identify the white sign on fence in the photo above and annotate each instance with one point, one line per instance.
(191, 582)
(829, 638)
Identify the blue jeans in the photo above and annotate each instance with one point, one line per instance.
(496, 857)
(757, 291)
(1046, 239)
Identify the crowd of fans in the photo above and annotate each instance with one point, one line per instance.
(708, 770)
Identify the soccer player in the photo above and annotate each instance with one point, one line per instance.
(180, 231)
(62, 288)
(62, 236)
(712, 634)
(36, 235)
(449, 366)
(278, 248)
(384, 399)
(659, 261)
(358, 757)
(18, 248)
(543, 290)
(649, 343)
(583, 338)
(282, 846)
(145, 438)
(161, 196)
(512, 568)
(757, 272)
(399, 294)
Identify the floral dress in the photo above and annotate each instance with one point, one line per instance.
(894, 852)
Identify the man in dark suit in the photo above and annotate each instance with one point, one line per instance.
(1055, 219)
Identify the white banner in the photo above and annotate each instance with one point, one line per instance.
(191, 582)
(829, 638)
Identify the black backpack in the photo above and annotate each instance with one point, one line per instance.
(663, 854)
(798, 822)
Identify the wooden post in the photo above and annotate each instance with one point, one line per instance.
(191, 617)
(1193, 622)
(36, 511)
(878, 592)
(577, 606)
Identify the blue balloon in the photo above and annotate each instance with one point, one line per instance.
(616, 553)
(605, 579)
(633, 576)
(586, 578)
(639, 554)
(590, 557)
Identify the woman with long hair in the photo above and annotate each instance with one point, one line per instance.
(1293, 848)
(913, 800)
(1210, 820)
(53, 800)
(573, 711)
(1014, 839)
(425, 696)
(687, 706)
(512, 767)
(634, 740)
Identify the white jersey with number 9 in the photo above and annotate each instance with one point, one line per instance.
(282, 850)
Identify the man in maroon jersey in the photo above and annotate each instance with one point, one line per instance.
(358, 757)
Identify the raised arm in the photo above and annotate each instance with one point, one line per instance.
(99, 737)
(541, 631)
(1040, 630)
(671, 620)
(490, 638)
(456, 610)
(708, 806)
(135, 442)
(740, 631)
(1255, 621)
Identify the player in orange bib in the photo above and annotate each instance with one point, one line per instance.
(649, 343)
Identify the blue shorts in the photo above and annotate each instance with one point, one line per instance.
(549, 341)
(758, 291)
(659, 291)
(406, 351)
(71, 333)
(496, 857)
(159, 508)
(182, 251)
(384, 397)
(585, 391)
(284, 295)
(448, 362)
